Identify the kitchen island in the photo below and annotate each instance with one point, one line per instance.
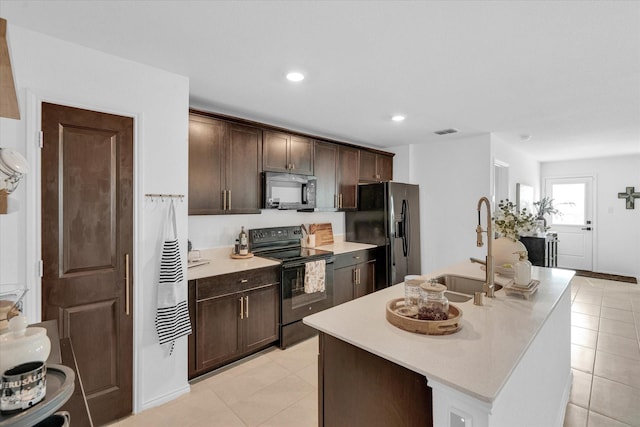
(509, 365)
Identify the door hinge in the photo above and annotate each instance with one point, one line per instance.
(41, 139)
(41, 268)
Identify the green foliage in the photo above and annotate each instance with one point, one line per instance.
(511, 223)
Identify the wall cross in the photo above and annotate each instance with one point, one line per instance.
(630, 195)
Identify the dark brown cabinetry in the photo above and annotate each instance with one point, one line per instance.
(347, 177)
(375, 167)
(233, 315)
(358, 388)
(283, 152)
(225, 161)
(354, 275)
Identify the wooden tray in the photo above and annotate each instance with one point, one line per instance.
(427, 327)
(238, 256)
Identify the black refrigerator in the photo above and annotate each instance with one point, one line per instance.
(388, 216)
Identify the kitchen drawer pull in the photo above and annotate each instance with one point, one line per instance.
(243, 280)
(224, 200)
(229, 192)
(356, 257)
(246, 307)
(241, 308)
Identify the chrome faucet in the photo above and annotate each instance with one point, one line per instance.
(489, 287)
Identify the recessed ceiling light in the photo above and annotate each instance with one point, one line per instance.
(294, 76)
(397, 118)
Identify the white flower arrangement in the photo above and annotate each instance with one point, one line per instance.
(510, 223)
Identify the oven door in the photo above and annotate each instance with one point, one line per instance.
(296, 303)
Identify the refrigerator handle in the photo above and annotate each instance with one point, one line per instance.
(405, 228)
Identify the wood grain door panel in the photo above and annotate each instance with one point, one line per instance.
(244, 161)
(87, 232)
(207, 141)
(261, 323)
(218, 338)
(348, 163)
(301, 155)
(276, 151)
(325, 159)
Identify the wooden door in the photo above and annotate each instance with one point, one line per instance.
(218, 336)
(276, 151)
(384, 167)
(301, 155)
(342, 285)
(367, 166)
(207, 138)
(262, 313)
(366, 279)
(87, 248)
(243, 167)
(325, 158)
(348, 163)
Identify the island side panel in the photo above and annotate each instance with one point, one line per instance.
(357, 388)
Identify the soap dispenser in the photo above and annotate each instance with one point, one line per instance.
(523, 270)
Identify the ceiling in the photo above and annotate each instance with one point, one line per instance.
(565, 73)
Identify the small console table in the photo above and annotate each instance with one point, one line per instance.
(543, 250)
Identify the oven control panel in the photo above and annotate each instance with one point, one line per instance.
(274, 235)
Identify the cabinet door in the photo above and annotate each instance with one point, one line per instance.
(276, 152)
(218, 336)
(348, 163)
(244, 164)
(384, 167)
(301, 155)
(325, 158)
(367, 166)
(343, 285)
(366, 279)
(262, 312)
(207, 138)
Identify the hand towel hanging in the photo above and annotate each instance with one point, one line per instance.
(172, 316)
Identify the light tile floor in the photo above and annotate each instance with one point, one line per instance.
(279, 388)
(605, 354)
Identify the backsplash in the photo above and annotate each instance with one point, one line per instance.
(211, 231)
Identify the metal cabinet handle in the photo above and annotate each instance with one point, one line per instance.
(356, 257)
(224, 200)
(241, 308)
(229, 193)
(246, 307)
(340, 201)
(335, 201)
(586, 228)
(358, 276)
(243, 280)
(127, 285)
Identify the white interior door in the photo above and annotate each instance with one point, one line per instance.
(573, 197)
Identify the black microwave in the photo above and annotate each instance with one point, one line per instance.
(288, 191)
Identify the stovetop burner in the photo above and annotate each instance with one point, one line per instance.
(283, 244)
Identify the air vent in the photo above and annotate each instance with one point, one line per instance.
(446, 131)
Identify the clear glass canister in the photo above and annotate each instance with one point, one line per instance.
(433, 304)
(412, 290)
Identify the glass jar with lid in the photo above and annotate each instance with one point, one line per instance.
(434, 305)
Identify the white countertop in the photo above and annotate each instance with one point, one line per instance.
(478, 359)
(220, 261)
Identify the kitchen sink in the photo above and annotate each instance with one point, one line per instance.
(461, 289)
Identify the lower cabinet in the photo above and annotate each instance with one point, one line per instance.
(233, 315)
(354, 275)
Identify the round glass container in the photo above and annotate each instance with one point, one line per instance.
(412, 291)
(433, 304)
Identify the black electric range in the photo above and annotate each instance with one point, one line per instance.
(283, 244)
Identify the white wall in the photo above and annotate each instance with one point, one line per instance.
(212, 231)
(522, 168)
(47, 69)
(616, 230)
(453, 175)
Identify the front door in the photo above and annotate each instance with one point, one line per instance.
(87, 245)
(573, 197)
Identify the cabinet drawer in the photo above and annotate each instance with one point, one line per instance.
(353, 258)
(224, 284)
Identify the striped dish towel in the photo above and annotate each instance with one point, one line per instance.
(172, 316)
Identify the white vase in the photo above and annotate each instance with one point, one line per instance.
(505, 251)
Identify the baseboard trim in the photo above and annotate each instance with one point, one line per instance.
(605, 276)
(161, 400)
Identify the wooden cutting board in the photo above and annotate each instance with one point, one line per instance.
(324, 233)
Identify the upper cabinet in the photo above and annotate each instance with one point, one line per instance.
(225, 161)
(375, 167)
(348, 161)
(325, 161)
(283, 152)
